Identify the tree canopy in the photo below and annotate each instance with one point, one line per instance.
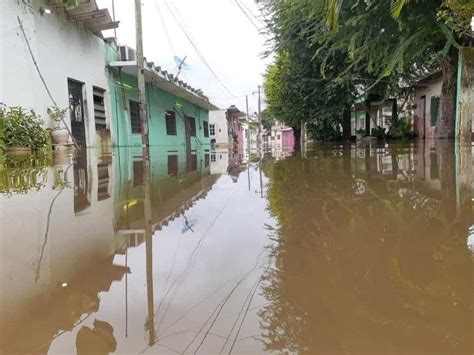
(327, 52)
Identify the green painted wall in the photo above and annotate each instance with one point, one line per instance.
(124, 88)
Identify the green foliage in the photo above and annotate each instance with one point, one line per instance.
(400, 128)
(22, 128)
(267, 120)
(56, 115)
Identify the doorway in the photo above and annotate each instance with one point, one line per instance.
(423, 114)
(76, 110)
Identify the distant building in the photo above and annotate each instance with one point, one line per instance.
(227, 128)
(371, 113)
(218, 129)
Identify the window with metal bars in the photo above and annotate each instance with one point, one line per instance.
(135, 116)
(206, 128)
(170, 117)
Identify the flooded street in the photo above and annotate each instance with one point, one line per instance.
(341, 249)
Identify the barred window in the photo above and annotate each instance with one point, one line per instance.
(135, 116)
(170, 117)
(206, 128)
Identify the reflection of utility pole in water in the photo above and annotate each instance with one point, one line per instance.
(146, 171)
(464, 181)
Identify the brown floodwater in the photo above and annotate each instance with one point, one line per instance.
(341, 249)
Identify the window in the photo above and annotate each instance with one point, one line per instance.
(99, 109)
(137, 173)
(213, 158)
(170, 117)
(206, 160)
(206, 128)
(212, 129)
(172, 165)
(135, 116)
(434, 106)
(278, 136)
(191, 125)
(213, 141)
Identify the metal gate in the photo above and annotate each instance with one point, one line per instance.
(76, 109)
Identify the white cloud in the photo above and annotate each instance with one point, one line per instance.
(228, 41)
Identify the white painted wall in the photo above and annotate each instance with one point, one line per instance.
(218, 119)
(430, 88)
(62, 50)
(74, 243)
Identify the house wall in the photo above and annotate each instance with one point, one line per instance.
(62, 50)
(428, 89)
(74, 243)
(159, 101)
(218, 118)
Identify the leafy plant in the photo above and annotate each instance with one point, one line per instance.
(22, 128)
(56, 115)
(401, 128)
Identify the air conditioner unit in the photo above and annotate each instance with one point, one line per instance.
(127, 54)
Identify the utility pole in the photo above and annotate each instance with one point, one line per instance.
(150, 322)
(141, 72)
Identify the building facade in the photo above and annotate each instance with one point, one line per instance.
(70, 56)
(427, 98)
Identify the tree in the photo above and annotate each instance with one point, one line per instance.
(417, 30)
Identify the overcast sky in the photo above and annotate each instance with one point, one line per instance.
(226, 38)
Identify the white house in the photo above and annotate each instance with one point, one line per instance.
(67, 46)
(218, 129)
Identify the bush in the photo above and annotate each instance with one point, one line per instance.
(401, 128)
(22, 128)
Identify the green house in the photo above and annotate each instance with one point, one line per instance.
(178, 115)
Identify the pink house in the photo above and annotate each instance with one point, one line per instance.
(236, 132)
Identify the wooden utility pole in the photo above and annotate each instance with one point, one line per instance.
(150, 322)
(141, 72)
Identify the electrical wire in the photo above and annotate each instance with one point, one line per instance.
(182, 26)
(246, 15)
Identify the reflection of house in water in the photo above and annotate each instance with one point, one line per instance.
(176, 185)
(66, 256)
(66, 232)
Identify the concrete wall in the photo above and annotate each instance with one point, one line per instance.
(427, 88)
(218, 118)
(62, 50)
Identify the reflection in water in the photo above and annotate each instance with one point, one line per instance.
(370, 253)
(369, 245)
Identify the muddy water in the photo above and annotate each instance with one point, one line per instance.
(340, 249)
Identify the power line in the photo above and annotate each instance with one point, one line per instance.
(246, 15)
(164, 28)
(195, 46)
